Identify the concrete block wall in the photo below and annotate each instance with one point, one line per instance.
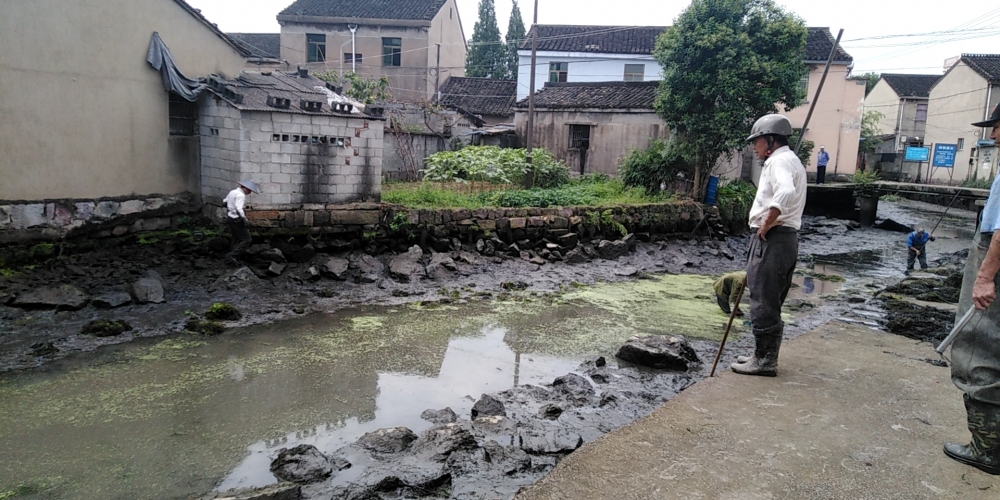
(294, 158)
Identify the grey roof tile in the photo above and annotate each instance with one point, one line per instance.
(414, 10)
(249, 92)
(911, 85)
(987, 65)
(262, 45)
(480, 96)
(595, 95)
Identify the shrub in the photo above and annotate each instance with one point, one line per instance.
(658, 166)
(494, 165)
(735, 198)
(220, 311)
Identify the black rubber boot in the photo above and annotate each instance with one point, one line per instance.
(723, 304)
(983, 452)
(764, 361)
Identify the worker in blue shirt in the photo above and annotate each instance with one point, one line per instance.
(822, 159)
(916, 246)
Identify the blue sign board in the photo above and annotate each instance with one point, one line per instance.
(917, 154)
(944, 155)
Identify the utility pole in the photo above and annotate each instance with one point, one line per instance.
(529, 176)
(437, 74)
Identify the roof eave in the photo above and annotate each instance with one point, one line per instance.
(408, 23)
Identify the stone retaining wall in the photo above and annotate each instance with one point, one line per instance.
(50, 220)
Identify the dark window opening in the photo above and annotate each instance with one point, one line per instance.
(558, 72)
(315, 48)
(352, 58)
(579, 136)
(635, 72)
(392, 51)
(921, 113)
(183, 116)
(961, 144)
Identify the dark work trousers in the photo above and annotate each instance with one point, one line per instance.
(820, 174)
(769, 276)
(239, 237)
(911, 256)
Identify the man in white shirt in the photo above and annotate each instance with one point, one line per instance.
(775, 219)
(237, 219)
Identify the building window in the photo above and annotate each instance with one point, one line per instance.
(352, 58)
(804, 86)
(392, 50)
(961, 144)
(921, 113)
(183, 116)
(579, 136)
(635, 72)
(315, 48)
(558, 72)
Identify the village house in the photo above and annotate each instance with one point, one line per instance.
(489, 100)
(592, 125)
(91, 120)
(967, 93)
(902, 102)
(417, 44)
(299, 140)
(579, 54)
(264, 50)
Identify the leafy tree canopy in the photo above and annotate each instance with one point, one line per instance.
(487, 54)
(871, 78)
(516, 33)
(725, 64)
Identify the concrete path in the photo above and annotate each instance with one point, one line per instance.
(853, 414)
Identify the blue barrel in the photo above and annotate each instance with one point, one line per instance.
(713, 189)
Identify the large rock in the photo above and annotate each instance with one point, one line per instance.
(336, 268)
(302, 464)
(271, 255)
(659, 351)
(492, 460)
(438, 442)
(445, 416)
(441, 266)
(148, 289)
(111, 300)
(548, 439)
(369, 268)
(487, 406)
(568, 241)
(574, 386)
(390, 440)
(611, 250)
(276, 268)
(407, 266)
(60, 298)
(575, 256)
(302, 255)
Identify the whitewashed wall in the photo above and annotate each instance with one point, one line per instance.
(583, 67)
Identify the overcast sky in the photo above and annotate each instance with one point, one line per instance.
(976, 21)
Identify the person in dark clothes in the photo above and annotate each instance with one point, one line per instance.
(822, 159)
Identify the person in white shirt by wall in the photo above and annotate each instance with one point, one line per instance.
(775, 218)
(237, 220)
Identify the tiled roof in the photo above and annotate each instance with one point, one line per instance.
(987, 65)
(480, 96)
(412, 10)
(601, 39)
(212, 26)
(911, 85)
(819, 44)
(595, 95)
(261, 45)
(250, 91)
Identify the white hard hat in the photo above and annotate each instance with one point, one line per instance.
(773, 124)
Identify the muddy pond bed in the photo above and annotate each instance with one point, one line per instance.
(174, 415)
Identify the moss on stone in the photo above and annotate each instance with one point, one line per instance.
(221, 311)
(106, 328)
(204, 327)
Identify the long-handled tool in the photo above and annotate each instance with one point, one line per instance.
(956, 330)
(732, 315)
(957, 193)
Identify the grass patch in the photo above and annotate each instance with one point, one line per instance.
(581, 192)
(892, 197)
(220, 311)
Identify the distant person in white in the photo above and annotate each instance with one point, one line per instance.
(237, 220)
(775, 218)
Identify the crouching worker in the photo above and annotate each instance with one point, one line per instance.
(975, 355)
(236, 218)
(775, 218)
(727, 289)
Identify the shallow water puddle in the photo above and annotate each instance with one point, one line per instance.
(179, 416)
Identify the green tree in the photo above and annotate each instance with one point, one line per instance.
(487, 54)
(367, 90)
(870, 78)
(515, 35)
(870, 131)
(725, 64)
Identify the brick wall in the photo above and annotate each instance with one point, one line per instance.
(294, 158)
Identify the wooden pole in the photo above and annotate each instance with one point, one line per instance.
(529, 176)
(739, 296)
(812, 105)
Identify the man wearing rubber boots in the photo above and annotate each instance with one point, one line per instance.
(975, 363)
(775, 219)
